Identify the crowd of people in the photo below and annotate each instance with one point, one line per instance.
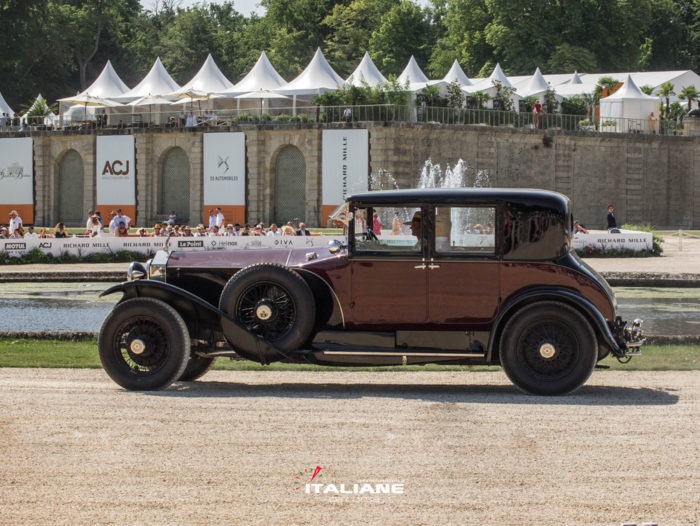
(119, 225)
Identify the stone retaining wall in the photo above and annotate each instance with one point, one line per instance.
(650, 179)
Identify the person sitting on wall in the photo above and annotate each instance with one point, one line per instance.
(172, 218)
(142, 232)
(302, 230)
(43, 233)
(579, 228)
(157, 230)
(610, 219)
(187, 232)
(31, 234)
(3, 233)
(123, 230)
(274, 231)
(95, 229)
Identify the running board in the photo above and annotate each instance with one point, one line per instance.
(394, 357)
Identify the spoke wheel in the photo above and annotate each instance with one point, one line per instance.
(548, 348)
(272, 302)
(144, 344)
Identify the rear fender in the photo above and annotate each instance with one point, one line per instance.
(198, 314)
(595, 318)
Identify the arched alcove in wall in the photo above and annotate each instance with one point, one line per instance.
(70, 190)
(290, 186)
(174, 187)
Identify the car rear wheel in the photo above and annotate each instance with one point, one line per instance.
(548, 349)
(197, 366)
(144, 344)
(273, 303)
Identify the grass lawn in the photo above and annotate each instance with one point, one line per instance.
(83, 354)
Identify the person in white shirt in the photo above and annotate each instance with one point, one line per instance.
(88, 224)
(274, 231)
(121, 219)
(31, 234)
(219, 217)
(172, 218)
(213, 231)
(95, 228)
(112, 227)
(15, 222)
(212, 218)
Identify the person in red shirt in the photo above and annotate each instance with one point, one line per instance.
(537, 110)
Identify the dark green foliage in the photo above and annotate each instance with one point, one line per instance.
(574, 106)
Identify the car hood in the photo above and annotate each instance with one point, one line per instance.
(235, 259)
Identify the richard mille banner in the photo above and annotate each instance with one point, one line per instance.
(224, 175)
(16, 179)
(116, 174)
(345, 166)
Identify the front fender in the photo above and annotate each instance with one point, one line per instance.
(197, 313)
(587, 308)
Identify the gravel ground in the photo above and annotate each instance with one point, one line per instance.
(468, 448)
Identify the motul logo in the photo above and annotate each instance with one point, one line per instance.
(115, 168)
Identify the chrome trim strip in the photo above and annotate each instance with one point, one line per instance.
(398, 354)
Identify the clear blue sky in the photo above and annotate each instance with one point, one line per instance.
(242, 6)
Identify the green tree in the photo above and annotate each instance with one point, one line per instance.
(574, 106)
(666, 91)
(689, 93)
(605, 86)
(502, 99)
(403, 31)
(566, 57)
(455, 95)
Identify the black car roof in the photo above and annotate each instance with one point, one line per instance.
(418, 196)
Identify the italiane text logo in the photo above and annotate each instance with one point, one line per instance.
(309, 481)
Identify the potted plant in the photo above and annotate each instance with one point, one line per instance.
(608, 126)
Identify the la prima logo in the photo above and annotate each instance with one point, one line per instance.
(304, 481)
(115, 168)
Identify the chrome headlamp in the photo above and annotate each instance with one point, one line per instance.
(157, 266)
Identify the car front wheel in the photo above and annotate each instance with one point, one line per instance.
(144, 344)
(548, 348)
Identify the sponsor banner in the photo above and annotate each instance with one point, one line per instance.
(224, 175)
(626, 240)
(17, 178)
(345, 167)
(116, 174)
(82, 246)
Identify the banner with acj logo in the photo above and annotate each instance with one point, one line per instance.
(224, 175)
(16, 179)
(116, 174)
(345, 167)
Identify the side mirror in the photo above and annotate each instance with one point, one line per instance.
(335, 246)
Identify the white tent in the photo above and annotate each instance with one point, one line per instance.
(262, 76)
(366, 72)
(457, 74)
(4, 107)
(417, 80)
(535, 87)
(156, 82)
(107, 85)
(629, 110)
(315, 79)
(488, 86)
(208, 79)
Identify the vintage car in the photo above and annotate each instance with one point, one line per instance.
(447, 276)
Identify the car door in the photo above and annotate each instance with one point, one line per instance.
(463, 269)
(388, 270)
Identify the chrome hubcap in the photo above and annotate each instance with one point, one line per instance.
(137, 347)
(547, 350)
(263, 312)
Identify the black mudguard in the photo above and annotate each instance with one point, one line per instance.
(587, 308)
(194, 309)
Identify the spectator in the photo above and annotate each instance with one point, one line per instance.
(537, 110)
(17, 234)
(229, 231)
(201, 231)
(611, 221)
(237, 229)
(172, 218)
(246, 230)
(186, 231)
(376, 224)
(3, 233)
(212, 218)
(258, 231)
(579, 228)
(43, 234)
(31, 234)
(274, 231)
(123, 230)
(88, 223)
(142, 232)
(15, 221)
(102, 220)
(176, 231)
(219, 217)
(157, 231)
(213, 231)
(302, 230)
(112, 225)
(288, 230)
(347, 115)
(396, 225)
(59, 231)
(121, 219)
(95, 228)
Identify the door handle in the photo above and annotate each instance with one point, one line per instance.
(420, 267)
(433, 266)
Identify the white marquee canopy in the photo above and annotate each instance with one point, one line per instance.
(156, 82)
(629, 108)
(366, 72)
(318, 77)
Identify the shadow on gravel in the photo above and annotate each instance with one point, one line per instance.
(469, 394)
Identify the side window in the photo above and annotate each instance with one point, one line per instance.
(388, 229)
(465, 230)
